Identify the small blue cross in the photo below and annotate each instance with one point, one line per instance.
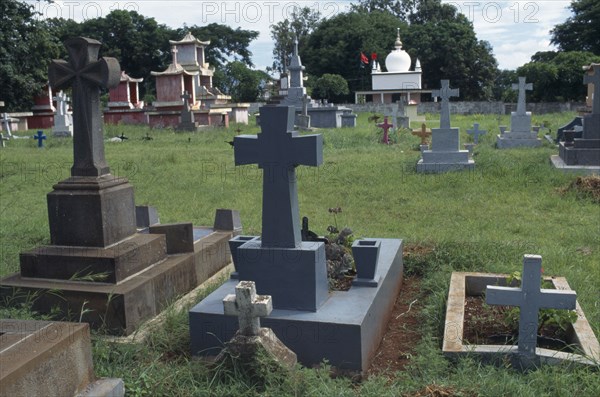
(40, 138)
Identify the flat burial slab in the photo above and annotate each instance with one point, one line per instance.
(345, 330)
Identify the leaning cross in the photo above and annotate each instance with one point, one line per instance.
(445, 93)
(422, 133)
(385, 126)
(476, 132)
(2, 139)
(522, 87)
(530, 298)
(595, 80)
(278, 150)
(40, 137)
(248, 306)
(86, 74)
(6, 124)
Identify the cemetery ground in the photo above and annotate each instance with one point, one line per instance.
(514, 202)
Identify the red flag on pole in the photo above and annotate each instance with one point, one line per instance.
(373, 56)
(364, 59)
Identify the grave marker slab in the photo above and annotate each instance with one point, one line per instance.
(520, 134)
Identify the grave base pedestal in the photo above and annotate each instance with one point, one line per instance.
(346, 330)
(433, 162)
(510, 140)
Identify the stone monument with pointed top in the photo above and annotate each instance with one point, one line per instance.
(187, 122)
(520, 134)
(584, 153)
(63, 120)
(444, 154)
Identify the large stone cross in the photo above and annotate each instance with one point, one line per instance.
(530, 298)
(445, 93)
(385, 126)
(61, 103)
(522, 87)
(6, 120)
(86, 74)
(422, 133)
(476, 132)
(248, 306)
(595, 80)
(278, 150)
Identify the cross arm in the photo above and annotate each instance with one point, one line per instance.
(245, 149)
(508, 296)
(558, 299)
(262, 306)
(229, 306)
(308, 150)
(60, 74)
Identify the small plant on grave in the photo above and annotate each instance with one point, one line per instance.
(338, 252)
(559, 319)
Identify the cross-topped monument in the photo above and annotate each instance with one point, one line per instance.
(248, 306)
(278, 150)
(595, 80)
(476, 132)
(6, 121)
(530, 298)
(422, 133)
(86, 74)
(385, 126)
(522, 87)
(445, 93)
(61, 103)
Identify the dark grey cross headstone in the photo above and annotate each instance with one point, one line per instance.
(248, 306)
(445, 93)
(530, 298)
(522, 87)
(86, 74)
(476, 132)
(278, 150)
(595, 80)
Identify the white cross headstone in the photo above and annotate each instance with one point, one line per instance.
(476, 132)
(6, 120)
(522, 87)
(445, 93)
(530, 298)
(248, 306)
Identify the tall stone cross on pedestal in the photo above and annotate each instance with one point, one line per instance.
(61, 103)
(522, 87)
(445, 93)
(248, 306)
(530, 298)
(86, 74)
(595, 80)
(278, 150)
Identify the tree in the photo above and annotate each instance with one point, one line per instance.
(581, 31)
(22, 36)
(557, 76)
(399, 8)
(303, 22)
(331, 87)
(241, 82)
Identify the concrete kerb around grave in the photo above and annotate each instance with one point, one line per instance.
(463, 284)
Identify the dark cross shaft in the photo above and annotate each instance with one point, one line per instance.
(86, 74)
(278, 150)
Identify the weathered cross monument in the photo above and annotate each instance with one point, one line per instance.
(343, 327)
(98, 264)
(584, 153)
(63, 121)
(520, 134)
(444, 154)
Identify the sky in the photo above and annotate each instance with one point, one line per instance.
(515, 29)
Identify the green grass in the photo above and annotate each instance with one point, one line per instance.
(484, 220)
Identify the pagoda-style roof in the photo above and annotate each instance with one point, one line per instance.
(174, 69)
(189, 38)
(129, 79)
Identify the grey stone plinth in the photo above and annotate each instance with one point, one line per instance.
(438, 162)
(578, 169)
(296, 278)
(582, 153)
(146, 216)
(180, 236)
(520, 123)
(349, 119)
(474, 284)
(91, 212)
(234, 244)
(227, 219)
(510, 140)
(444, 139)
(346, 330)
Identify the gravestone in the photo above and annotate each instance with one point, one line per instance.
(583, 153)
(530, 298)
(187, 122)
(51, 359)
(399, 117)
(424, 133)
(476, 133)
(347, 327)
(97, 261)
(303, 119)
(63, 121)
(444, 154)
(385, 126)
(520, 134)
(2, 139)
(6, 124)
(40, 137)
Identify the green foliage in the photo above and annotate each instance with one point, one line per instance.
(22, 35)
(580, 32)
(557, 76)
(332, 87)
(241, 82)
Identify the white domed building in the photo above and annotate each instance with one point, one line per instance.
(398, 82)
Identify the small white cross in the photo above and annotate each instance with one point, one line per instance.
(248, 306)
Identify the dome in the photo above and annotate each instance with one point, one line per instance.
(398, 60)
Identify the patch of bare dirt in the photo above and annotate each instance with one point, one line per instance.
(587, 186)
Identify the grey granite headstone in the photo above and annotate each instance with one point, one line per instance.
(520, 134)
(530, 298)
(187, 115)
(476, 133)
(444, 154)
(63, 121)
